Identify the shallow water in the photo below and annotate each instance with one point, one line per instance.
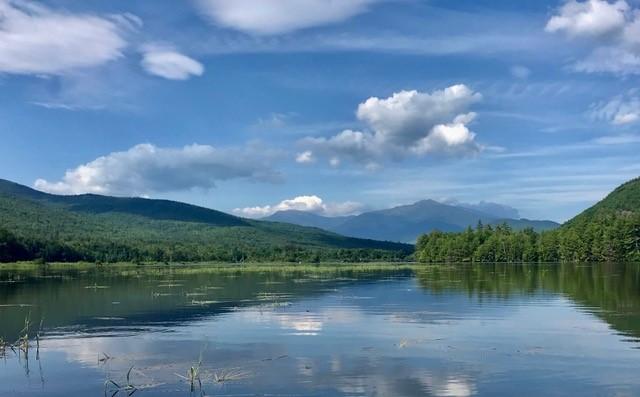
(485, 330)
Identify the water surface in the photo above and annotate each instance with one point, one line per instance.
(468, 330)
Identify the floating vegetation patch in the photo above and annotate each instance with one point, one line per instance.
(95, 286)
(196, 294)
(17, 305)
(204, 302)
(272, 296)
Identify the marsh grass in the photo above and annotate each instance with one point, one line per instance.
(104, 358)
(230, 375)
(4, 346)
(23, 340)
(127, 268)
(193, 374)
(115, 388)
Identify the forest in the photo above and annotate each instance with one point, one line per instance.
(93, 249)
(613, 239)
(607, 232)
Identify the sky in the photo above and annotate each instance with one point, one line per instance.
(334, 107)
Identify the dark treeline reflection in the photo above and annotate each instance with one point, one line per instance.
(610, 291)
(123, 300)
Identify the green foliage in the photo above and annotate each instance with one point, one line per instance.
(607, 232)
(107, 229)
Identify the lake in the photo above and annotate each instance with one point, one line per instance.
(467, 330)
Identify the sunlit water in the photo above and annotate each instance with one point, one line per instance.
(503, 330)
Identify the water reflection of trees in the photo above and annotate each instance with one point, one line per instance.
(610, 291)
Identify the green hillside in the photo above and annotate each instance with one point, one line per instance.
(607, 232)
(623, 202)
(101, 228)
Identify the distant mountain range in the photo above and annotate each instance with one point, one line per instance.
(405, 223)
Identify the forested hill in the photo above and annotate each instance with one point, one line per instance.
(609, 231)
(623, 202)
(34, 225)
(96, 204)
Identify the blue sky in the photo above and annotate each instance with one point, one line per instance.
(250, 106)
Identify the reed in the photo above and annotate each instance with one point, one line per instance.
(193, 375)
(230, 375)
(115, 388)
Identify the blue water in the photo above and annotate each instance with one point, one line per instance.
(466, 331)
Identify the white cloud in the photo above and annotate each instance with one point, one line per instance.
(621, 110)
(305, 157)
(313, 204)
(592, 18)
(146, 168)
(168, 63)
(408, 122)
(448, 137)
(617, 60)
(268, 17)
(612, 28)
(625, 139)
(37, 40)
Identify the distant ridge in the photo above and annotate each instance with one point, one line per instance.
(406, 222)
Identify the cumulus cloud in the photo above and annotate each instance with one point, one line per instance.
(268, 17)
(592, 18)
(406, 123)
(312, 204)
(621, 110)
(37, 40)
(612, 28)
(146, 168)
(164, 61)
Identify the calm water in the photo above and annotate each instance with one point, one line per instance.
(499, 330)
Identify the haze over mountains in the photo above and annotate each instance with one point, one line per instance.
(405, 223)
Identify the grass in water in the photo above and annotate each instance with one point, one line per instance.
(193, 375)
(230, 375)
(113, 387)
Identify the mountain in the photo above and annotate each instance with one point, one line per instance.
(405, 223)
(304, 218)
(94, 227)
(497, 210)
(621, 202)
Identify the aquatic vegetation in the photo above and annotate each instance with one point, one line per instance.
(113, 387)
(203, 302)
(230, 375)
(3, 348)
(96, 286)
(104, 358)
(193, 375)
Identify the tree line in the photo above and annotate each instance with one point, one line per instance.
(14, 248)
(611, 238)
